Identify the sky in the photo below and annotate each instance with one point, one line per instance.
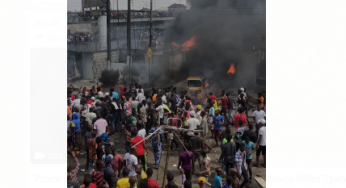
(73, 5)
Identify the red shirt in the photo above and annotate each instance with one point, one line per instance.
(116, 162)
(224, 102)
(140, 149)
(152, 183)
(89, 102)
(237, 118)
(213, 98)
(72, 97)
(90, 186)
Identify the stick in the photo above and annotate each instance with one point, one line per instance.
(182, 144)
(146, 138)
(167, 159)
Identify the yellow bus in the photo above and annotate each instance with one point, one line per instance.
(195, 87)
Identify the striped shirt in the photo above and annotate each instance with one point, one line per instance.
(97, 178)
(239, 160)
(73, 173)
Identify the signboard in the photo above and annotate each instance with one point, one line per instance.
(149, 53)
(94, 3)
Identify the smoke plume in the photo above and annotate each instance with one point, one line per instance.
(109, 78)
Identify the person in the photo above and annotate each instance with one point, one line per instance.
(97, 175)
(124, 182)
(252, 135)
(228, 183)
(100, 150)
(217, 178)
(92, 154)
(211, 113)
(160, 110)
(228, 152)
(87, 136)
(261, 99)
(186, 161)
(239, 116)
(140, 154)
(224, 133)
(196, 144)
(70, 131)
(187, 183)
(90, 116)
(116, 162)
(218, 121)
(151, 182)
(108, 172)
(261, 143)
(241, 165)
(249, 149)
(140, 174)
(229, 106)
(204, 125)
(100, 125)
(170, 182)
(131, 161)
(234, 174)
(76, 122)
(132, 181)
(128, 138)
(142, 114)
(151, 114)
(100, 94)
(87, 182)
(128, 109)
(205, 171)
(140, 97)
(258, 114)
(192, 124)
(115, 111)
(156, 143)
(72, 172)
(134, 104)
(141, 131)
(224, 102)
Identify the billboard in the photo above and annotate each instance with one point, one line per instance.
(94, 3)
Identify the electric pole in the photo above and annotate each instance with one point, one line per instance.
(116, 30)
(108, 34)
(150, 36)
(129, 37)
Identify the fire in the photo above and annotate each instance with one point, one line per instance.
(175, 45)
(188, 44)
(206, 84)
(231, 69)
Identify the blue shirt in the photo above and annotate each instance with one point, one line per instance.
(226, 186)
(217, 181)
(248, 149)
(219, 119)
(154, 140)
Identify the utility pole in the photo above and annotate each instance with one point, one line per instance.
(117, 27)
(150, 36)
(129, 37)
(108, 34)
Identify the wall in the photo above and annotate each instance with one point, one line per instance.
(99, 60)
(82, 27)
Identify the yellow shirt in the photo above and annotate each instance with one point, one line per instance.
(124, 183)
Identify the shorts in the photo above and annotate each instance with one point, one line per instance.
(248, 161)
(217, 134)
(261, 148)
(78, 135)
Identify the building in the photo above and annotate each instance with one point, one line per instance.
(176, 7)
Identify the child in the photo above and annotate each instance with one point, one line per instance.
(249, 149)
(218, 179)
(132, 181)
(229, 181)
(233, 173)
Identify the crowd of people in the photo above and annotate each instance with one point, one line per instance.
(138, 116)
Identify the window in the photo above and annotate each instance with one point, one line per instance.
(194, 83)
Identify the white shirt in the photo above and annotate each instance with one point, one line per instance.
(140, 97)
(100, 94)
(198, 116)
(141, 133)
(75, 102)
(262, 132)
(164, 100)
(131, 161)
(192, 125)
(161, 111)
(258, 115)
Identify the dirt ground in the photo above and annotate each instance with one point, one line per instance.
(118, 140)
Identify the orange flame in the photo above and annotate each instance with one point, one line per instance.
(175, 45)
(206, 84)
(188, 44)
(231, 69)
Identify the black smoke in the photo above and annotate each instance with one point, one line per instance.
(226, 32)
(109, 78)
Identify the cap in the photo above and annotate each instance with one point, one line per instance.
(199, 107)
(107, 94)
(202, 180)
(92, 98)
(192, 113)
(261, 121)
(241, 89)
(108, 158)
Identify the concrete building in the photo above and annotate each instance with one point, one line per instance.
(176, 7)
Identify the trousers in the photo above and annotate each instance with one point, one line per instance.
(157, 155)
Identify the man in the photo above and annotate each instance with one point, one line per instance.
(202, 182)
(97, 175)
(239, 116)
(230, 106)
(241, 165)
(90, 116)
(170, 182)
(134, 105)
(198, 113)
(224, 133)
(252, 135)
(160, 110)
(218, 121)
(224, 101)
(258, 114)
(156, 143)
(100, 125)
(151, 182)
(186, 161)
(115, 110)
(78, 131)
(128, 138)
(87, 136)
(205, 173)
(99, 93)
(108, 172)
(192, 124)
(141, 131)
(261, 143)
(72, 172)
(92, 154)
(128, 109)
(131, 161)
(228, 152)
(140, 97)
(124, 182)
(249, 149)
(197, 145)
(140, 154)
(116, 162)
(140, 174)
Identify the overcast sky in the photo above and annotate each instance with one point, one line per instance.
(73, 5)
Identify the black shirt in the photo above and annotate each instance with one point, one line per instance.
(196, 143)
(228, 152)
(99, 151)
